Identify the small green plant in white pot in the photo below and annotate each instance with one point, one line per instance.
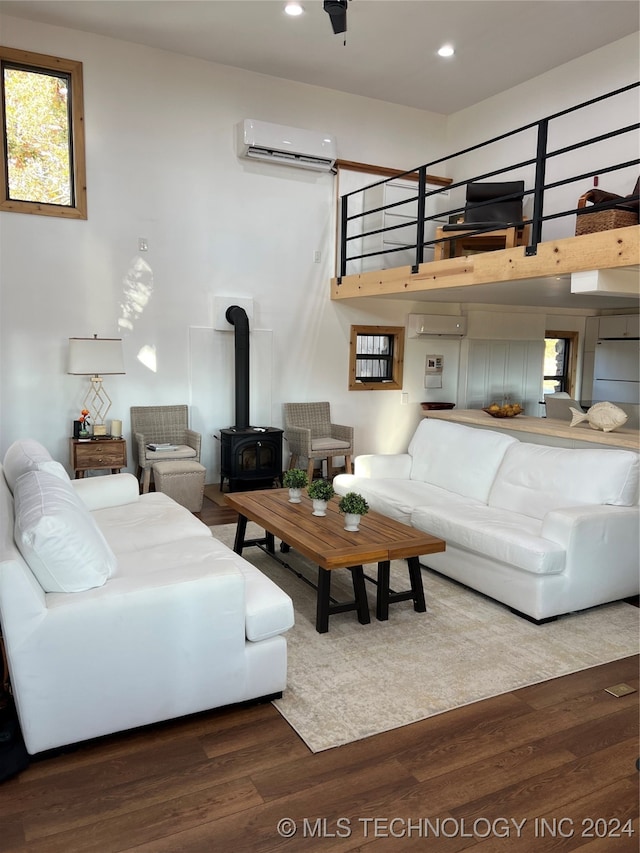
(295, 479)
(353, 506)
(320, 492)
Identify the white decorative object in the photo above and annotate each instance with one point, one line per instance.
(604, 416)
(295, 496)
(351, 522)
(319, 507)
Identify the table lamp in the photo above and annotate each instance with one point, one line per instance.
(93, 357)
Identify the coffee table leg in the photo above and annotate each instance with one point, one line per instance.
(240, 533)
(324, 608)
(271, 547)
(360, 594)
(415, 575)
(382, 597)
(322, 605)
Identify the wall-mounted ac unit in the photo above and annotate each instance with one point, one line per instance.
(291, 146)
(437, 324)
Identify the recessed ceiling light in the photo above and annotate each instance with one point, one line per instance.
(292, 8)
(446, 50)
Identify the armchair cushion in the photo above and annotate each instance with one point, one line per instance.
(329, 443)
(179, 451)
(57, 536)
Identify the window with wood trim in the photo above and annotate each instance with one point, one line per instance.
(560, 356)
(42, 158)
(376, 358)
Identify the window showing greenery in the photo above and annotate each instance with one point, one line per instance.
(43, 162)
(559, 362)
(376, 358)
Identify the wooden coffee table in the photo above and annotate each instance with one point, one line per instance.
(324, 540)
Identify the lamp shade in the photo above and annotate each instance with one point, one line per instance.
(95, 356)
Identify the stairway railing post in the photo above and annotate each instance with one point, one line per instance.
(538, 192)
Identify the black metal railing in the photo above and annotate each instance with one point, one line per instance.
(430, 204)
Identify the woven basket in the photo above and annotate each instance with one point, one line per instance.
(603, 220)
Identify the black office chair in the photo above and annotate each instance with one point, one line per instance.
(495, 209)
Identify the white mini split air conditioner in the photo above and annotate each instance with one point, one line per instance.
(291, 146)
(449, 325)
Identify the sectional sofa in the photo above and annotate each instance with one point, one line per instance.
(545, 530)
(119, 609)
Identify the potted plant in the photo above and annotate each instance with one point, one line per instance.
(295, 479)
(353, 506)
(84, 423)
(320, 492)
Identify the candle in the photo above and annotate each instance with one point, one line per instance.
(116, 429)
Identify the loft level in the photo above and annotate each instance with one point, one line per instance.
(510, 276)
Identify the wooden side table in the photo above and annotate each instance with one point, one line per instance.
(99, 454)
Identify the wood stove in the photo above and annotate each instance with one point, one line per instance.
(251, 457)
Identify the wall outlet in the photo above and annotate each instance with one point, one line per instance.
(404, 398)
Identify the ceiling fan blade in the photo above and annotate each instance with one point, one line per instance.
(337, 11)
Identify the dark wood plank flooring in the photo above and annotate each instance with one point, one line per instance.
(551, 767)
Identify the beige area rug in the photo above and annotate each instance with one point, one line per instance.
(359, 680)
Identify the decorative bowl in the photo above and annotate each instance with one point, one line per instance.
(504, 411)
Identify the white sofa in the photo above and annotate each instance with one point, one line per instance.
(546, 530)
(119, 609)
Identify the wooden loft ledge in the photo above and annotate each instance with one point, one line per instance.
(456, 278)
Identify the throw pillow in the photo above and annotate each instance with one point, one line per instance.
(29, 455)
(57, 536)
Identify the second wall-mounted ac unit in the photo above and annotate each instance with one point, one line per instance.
(291, 146)
(437, 324)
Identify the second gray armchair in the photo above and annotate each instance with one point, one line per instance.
(312, 436)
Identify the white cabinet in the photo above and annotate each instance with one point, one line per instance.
(492, 370)
(395, 246)
(619, 326)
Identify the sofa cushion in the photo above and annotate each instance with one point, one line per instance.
(29, 455)
(57, 536)
(268, 610)
(397, 498)
(507, 537)
(535, 479)
(153, 519)
(458, 458)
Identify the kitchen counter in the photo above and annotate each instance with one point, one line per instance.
(536, 430)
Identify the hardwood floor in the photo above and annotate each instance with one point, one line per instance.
(551, 767)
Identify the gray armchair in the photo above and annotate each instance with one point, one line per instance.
(311, 435)
(161, 425)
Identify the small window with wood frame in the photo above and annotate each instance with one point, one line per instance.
(376, 358)
(42, 158)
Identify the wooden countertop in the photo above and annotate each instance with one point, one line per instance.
(622, 437)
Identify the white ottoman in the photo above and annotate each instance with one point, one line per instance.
(182, 480)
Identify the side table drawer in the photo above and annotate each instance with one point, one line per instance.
(90, 455)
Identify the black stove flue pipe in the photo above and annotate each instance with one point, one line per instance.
(238, 318)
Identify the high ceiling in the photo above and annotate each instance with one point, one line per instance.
(390, 51)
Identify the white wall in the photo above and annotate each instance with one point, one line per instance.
(162, 165)
(604, 70)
